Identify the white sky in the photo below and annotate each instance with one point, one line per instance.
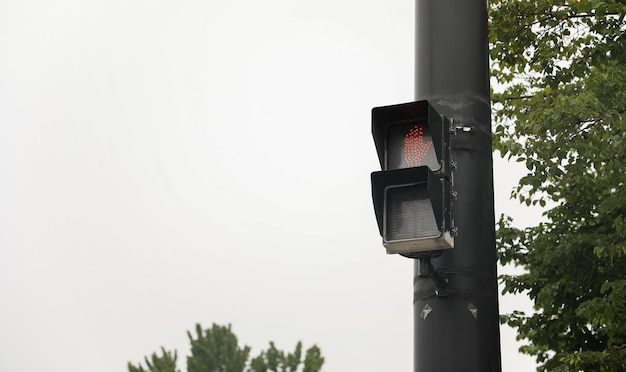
(164, 163)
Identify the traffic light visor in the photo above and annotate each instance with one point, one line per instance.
(411, 135)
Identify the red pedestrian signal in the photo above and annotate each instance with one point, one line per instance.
(412, 194)
(410, 145)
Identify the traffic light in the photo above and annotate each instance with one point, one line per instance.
(413, 193)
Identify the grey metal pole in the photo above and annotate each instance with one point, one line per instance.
(457, 328)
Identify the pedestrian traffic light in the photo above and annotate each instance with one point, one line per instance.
(412, 194)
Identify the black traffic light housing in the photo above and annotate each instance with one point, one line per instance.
(412, 194)
(422, 114)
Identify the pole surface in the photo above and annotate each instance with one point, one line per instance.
(458, 329)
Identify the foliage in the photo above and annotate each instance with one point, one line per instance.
(313, 360)
(275, 360)
(164, 363)
(216, 349)
(561, 111)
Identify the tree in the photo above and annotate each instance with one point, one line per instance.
(275, 360)
(561, 111)
(164, 363)
(313, 360)
(217, 349)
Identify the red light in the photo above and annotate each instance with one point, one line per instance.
(415, 147)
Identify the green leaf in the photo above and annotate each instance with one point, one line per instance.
(585, 6)
(566, 59)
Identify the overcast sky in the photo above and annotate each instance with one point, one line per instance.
(167, 163)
